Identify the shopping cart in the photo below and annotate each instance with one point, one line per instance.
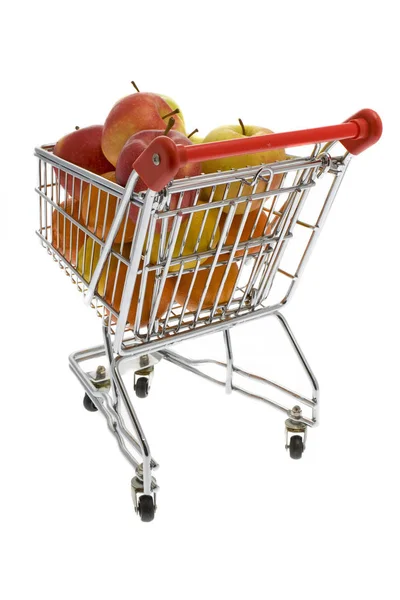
(179, 272)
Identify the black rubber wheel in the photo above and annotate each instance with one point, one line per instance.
(146, 508)
(142, 387)
(88, 404)
(296, 447)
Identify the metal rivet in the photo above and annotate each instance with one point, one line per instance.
(144, 361)
(156, 159)
(100, 372)
(296, 411)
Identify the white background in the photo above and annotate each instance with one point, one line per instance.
(237, 518)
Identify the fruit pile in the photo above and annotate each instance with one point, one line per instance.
(110, 150)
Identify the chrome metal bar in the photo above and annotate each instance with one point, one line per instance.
(171, 245)
(229, 361)
(82, 174)
(264, 240)
(294, 208)
(145, 449)
(336, 183)
(109, 352)
(232, 201)
(137, 248)
(70, 269)
(138, 347)
(106, 406)
(306, 366)
(192, 366)
(225, 177)
(111, 235)
(282, 388)
(100, 399)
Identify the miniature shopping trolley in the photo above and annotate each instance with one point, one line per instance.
(133, 276)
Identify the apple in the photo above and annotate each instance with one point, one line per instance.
(134, 147)
(115, 288)
(201, 224)
(112, 281)
(231, 132)
(256, 226)
(174, 106)
(99, 209)
(67, 238)
(193, 291)
(82, 147)
(88, 257)
(196, 139)
(131, 114)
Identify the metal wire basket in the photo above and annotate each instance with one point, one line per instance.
(190, 257)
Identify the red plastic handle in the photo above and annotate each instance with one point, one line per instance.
(162, 159)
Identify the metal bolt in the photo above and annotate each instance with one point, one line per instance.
(144, 361)
(100, 372)
(296, 411)
(156, 159)
(139, 471)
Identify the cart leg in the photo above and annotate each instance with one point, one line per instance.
(297, 423)
(229, 361)
(144, 486)
(314, 402)
(143, 483)
(296, 430)
(110, 355)
(103, 401)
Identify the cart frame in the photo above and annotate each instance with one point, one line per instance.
(130, 346)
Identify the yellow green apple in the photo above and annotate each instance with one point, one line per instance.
(88, 257)
(196, 139)
(189, 231)
(113, 291)
(240, 131)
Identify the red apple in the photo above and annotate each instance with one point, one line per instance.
(82, 147)
(131, 114)
(134, 147)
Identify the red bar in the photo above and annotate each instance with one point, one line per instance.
(357, 133)
(250, 145)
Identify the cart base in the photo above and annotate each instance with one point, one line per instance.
(105, 391)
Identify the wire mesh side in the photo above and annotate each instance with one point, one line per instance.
(219, 254)
(76, 209)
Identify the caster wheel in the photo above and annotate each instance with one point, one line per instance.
(88, 404)
(146, 508)
(296, 447)
(142, 387)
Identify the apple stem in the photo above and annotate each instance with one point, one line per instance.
(77, 127)
(193, 132)
(174, 112)
(170, 125)
(242, 126)
(135, 86)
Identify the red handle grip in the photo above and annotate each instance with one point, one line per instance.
(162, 159)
